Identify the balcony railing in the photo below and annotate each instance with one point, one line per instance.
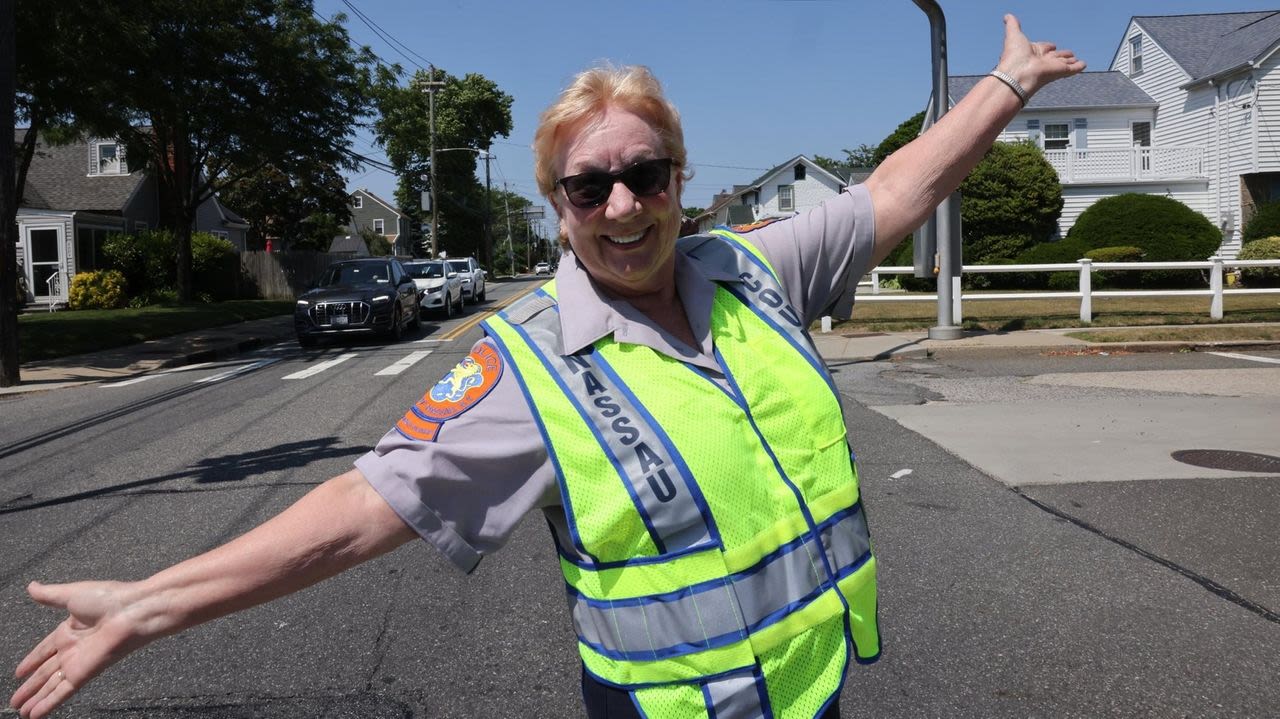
(1138, 163)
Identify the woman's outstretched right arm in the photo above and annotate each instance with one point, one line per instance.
(334, 527)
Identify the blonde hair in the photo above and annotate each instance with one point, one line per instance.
(632, 88)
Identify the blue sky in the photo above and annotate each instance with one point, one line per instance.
(756, 81)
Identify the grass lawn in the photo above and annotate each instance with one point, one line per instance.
(1199, 333)
(1011, 315)
(45, 335)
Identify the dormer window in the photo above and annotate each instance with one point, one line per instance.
(107, 158)
(357, 202)
(1135, 55)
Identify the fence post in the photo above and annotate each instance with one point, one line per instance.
(1215, 286)
(875, 282)
(956, 314)
(1086, 288)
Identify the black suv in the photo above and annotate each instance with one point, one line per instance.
(373, 295)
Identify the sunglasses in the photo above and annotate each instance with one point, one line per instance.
(591, 189)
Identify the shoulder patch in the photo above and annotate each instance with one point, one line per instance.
(743, 229)
(460, 390)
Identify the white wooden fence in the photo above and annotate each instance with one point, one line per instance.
(1085, 267)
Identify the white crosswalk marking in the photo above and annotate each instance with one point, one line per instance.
(237, 371)
(135, 380)
(153, 375)
(403, 364)
(318, 368)
(1251, 358)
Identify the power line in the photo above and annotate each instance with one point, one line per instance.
(376, 56)
(387, 37)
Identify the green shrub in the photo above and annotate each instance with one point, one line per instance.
(215, 267)
(1104, 279)
(162, 297)
(1265, 249)
(1165, 229)
(904, 256)
(148, 259)
(1010, 201)
(97, 290)
(1264, 223)
(1048, 253)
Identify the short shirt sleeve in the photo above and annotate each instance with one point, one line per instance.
(466, 462)
(820, 255)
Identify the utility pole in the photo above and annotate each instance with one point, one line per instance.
(506, 203)
(431, 86)
(486, 250)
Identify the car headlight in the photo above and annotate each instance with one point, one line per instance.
(381, 298)
(303, 303)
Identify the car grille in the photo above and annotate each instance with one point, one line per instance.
(322, 313)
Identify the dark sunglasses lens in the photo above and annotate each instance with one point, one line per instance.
(648, 178)
(588, 190)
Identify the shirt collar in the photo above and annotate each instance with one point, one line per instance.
(588, 314)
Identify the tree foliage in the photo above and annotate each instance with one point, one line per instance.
(470, 112)
(1264, 223)
(300, 210)
(860, 158)
(1011, 201)
(208, 92)
(901, 135)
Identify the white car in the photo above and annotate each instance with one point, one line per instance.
(439, 287)
(472, 277)
(542, 268)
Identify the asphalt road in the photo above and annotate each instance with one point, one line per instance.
(1011, 587)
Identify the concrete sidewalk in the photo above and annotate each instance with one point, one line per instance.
(230, 340)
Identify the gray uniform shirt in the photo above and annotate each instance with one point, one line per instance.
(465, 490)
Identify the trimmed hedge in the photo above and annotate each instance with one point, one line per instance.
(1265, 249)
(97, 290)
(1165, 229)
(1264, 223)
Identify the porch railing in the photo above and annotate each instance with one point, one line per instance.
(1137, 163)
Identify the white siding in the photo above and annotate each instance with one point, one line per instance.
(807, 194)
(1176, 123)
(1268, 115)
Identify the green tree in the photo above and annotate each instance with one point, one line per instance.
(470, 112)
(901, 135)
(1011, 201)
(211, 91)
(302, 210)
(693, 212)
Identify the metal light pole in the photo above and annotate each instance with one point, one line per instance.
(946, 229)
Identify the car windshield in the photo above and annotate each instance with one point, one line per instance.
(426, 270)
(458, 265)
(356, 273)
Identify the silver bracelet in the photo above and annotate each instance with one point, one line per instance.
(1013, 85)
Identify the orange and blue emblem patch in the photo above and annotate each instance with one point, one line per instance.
(465, 385)
(743, 229)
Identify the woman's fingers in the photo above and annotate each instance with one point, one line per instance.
(51, 695)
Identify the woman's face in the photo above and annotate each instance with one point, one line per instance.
(627, 243)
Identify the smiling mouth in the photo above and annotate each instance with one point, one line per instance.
(627, 239)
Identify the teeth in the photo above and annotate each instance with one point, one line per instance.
(625, 239)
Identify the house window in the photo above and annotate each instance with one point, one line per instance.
(89, 248)
(108, 159)
(220, 234)
(378, 226)
(799, 172)
(1057, 136)
(140, 226)
(1135, 55)
(1142, 134)
(357, 202)
(786, 198)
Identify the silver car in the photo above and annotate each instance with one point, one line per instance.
(472, 275)
(439, 287)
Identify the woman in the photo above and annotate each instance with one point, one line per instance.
(706, 513)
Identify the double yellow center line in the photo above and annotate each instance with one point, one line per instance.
(462, 329)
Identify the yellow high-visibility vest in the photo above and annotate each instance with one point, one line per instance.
(719, 562)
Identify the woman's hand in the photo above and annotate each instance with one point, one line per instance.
(104, 623)
(1034, 64)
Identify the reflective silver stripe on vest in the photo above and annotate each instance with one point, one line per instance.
(757, 286)
(706, 616)
(734, 697)
(656, 478)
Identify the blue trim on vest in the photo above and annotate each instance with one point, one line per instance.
(597, 565)
(546, 439)
(763, 690)
(604, 446)
(703, 374)
(646, 685)
(707, 702)
(694, 490)
(800, 501)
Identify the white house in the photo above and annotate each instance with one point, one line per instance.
(783, 191)
(1190, 109)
